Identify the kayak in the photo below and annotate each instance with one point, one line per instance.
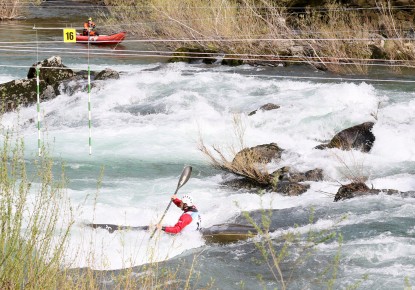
(101, 39)
(228, 233)
(221, 234)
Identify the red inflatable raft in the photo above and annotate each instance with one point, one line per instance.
(101, 39)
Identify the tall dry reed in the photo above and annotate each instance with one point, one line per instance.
(36, 218)
(11, 9)
(333, 38)
(32, 209)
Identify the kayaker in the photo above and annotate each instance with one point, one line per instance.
(89, 28)
(190, 219)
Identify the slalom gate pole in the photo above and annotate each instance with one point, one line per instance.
(89, 103)
(38, 109)
(89, 111)
(38, 96)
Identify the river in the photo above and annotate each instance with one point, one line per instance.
(146, 127)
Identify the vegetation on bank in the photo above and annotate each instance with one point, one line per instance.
(36, 218)
(330, 37)
(287, 256)
(12, 9)
(33, 245)
(31, 242)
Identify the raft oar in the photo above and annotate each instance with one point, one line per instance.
(187, 171)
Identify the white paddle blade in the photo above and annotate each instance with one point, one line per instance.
(187, 171)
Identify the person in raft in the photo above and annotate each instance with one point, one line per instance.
(89, 28)
(190, 219)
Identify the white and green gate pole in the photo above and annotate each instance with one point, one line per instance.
(38, 109)
(89, 110)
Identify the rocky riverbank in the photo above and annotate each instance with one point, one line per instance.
(322, 34)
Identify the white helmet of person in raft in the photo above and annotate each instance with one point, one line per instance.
(187, 200)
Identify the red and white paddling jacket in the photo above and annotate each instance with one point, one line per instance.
(190, 220)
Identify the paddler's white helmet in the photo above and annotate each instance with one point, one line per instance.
(187, 200)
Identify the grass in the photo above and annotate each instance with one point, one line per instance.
(247, 163)
(288, 255)
(36, 218)
(261, 31)
(32, 244)
(11, 9)
(34, 238)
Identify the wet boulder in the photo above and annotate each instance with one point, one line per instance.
(54, 79)
(284, 187)
(352, 190)
(51, 70)
(266, 107)
(378, 52)
(83, 74)
(264, 153)
(359, 137)
(291, 188)
(357, 189)
(289, 182)
(194, 55)
(283, 180)
(23, 92)
(243, 183)
(286, 174)
(79, 82)
(73, 85)
(231, 61)
(107, 74)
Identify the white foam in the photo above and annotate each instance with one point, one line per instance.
(154, 118)
(7, 78)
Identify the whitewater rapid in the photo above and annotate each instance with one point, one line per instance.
(147, 125)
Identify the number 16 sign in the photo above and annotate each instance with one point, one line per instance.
(69, 35)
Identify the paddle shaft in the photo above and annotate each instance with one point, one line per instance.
(162, 217)
(184, 177)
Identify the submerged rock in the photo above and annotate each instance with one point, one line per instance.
(286, 174)
(291, 188)
(107, 74)
(358, 137)
(284, 187)
(352, 190)
(266, 107)
(356, 189)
